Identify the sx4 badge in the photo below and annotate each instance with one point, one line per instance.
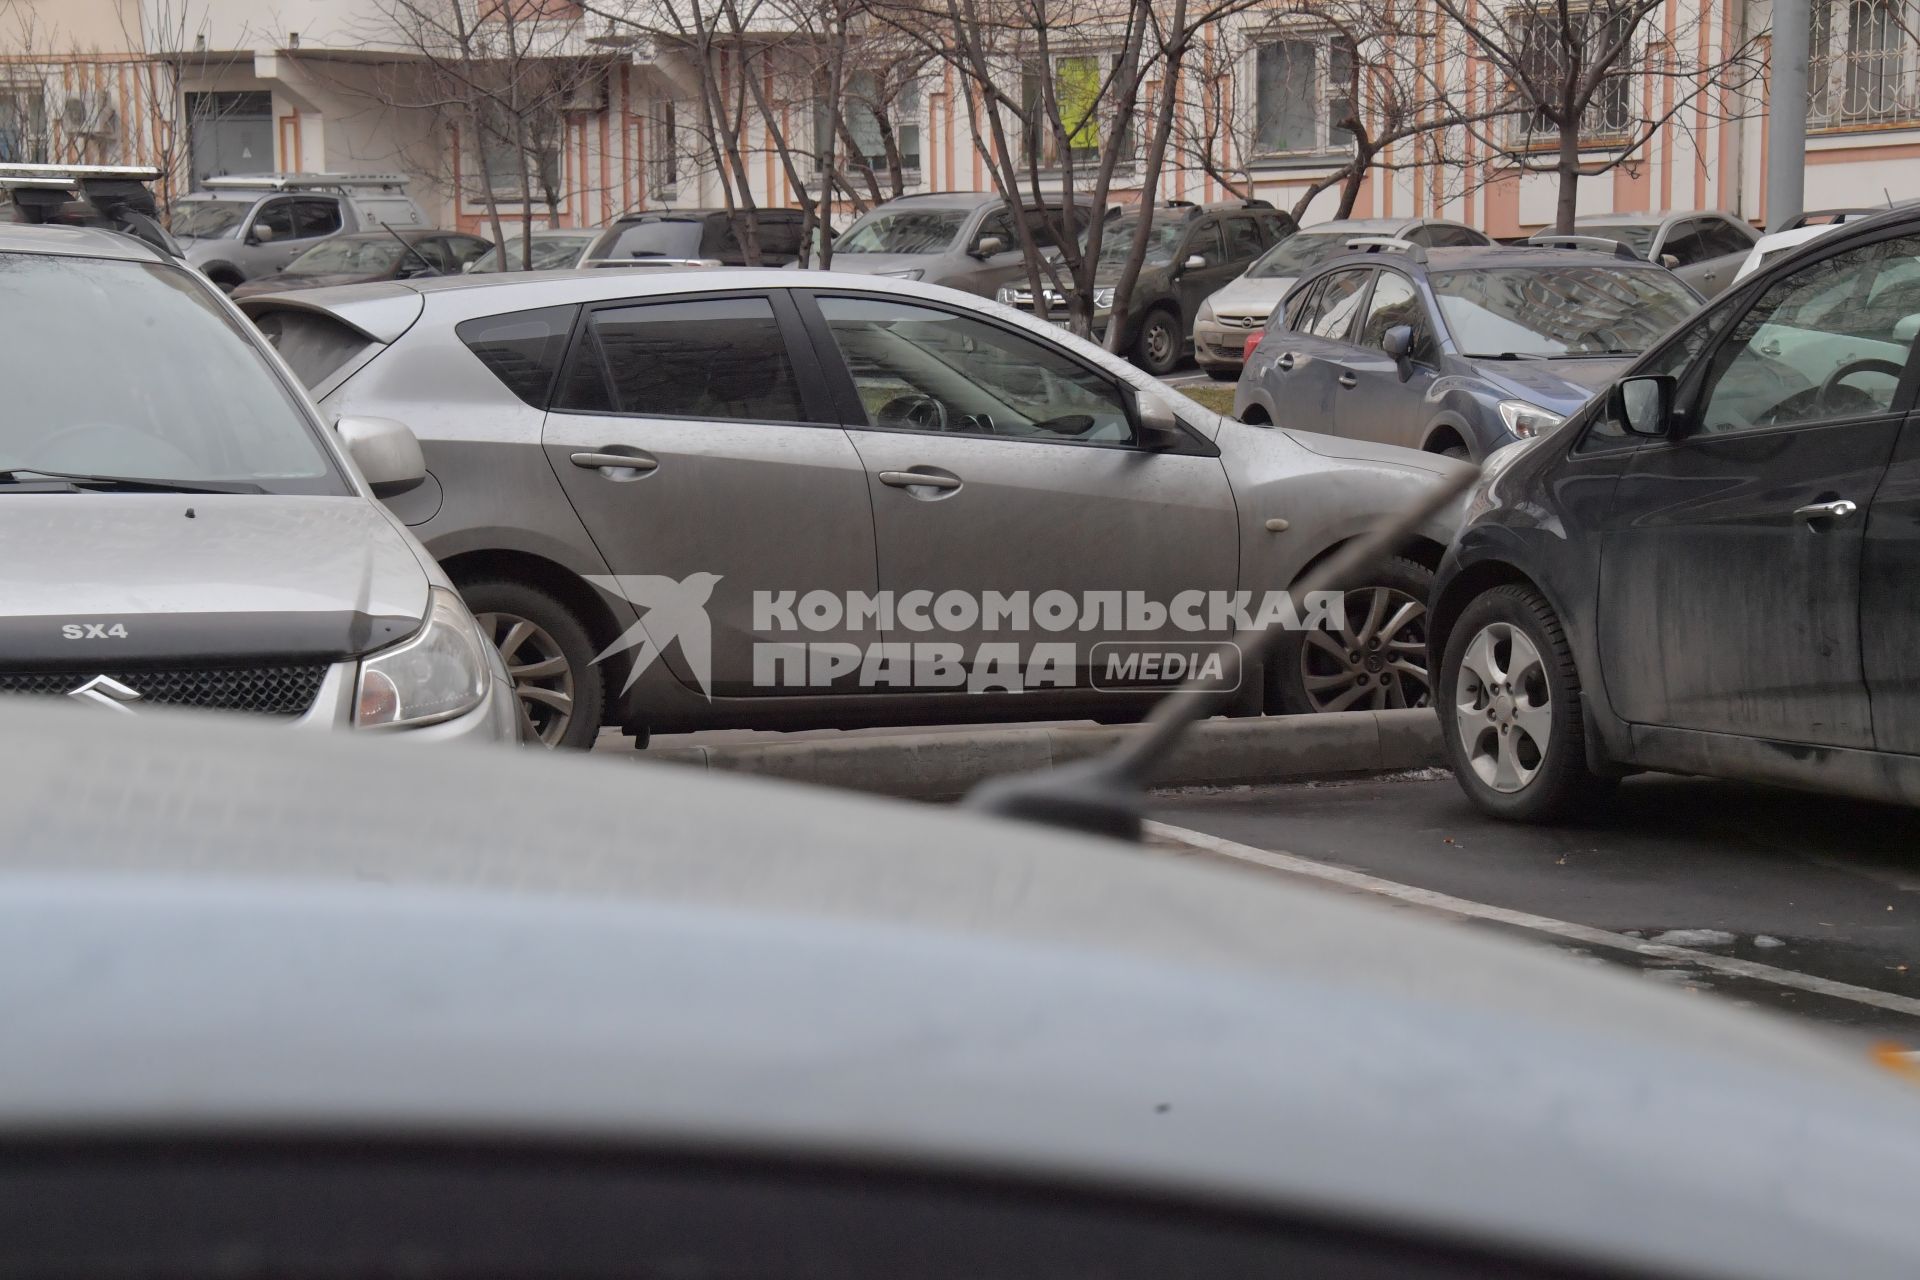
(94, 631)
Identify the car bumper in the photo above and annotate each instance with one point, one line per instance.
(497, 719)
(1221, 346)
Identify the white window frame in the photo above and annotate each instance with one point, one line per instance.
(1327, 139)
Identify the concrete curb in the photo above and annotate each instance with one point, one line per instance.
(940, 766)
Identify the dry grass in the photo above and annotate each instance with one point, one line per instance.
(1217, 398)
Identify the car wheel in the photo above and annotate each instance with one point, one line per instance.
(1511, 713)
(550, 657)
(1374, 657)
(1157, 349)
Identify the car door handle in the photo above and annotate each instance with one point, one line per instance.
(1839, 509)
(1349, 380)
(594, 461)
(908, 479)
(1285, 362)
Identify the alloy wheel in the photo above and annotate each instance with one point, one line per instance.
(1375, 660)
(1502, 707)
(541, 676)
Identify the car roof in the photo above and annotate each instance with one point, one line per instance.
(949, 200)
(481, 946)
(91, 242)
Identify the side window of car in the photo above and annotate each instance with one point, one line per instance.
(1243, 240)
(1420, 235)
(1453, 237)
(715, 358)
(721, 239)
(1000, 227)
(1828, 342)
(1339, 299)
(924, 369)
(1719, 238)
(1393, 303)
(1204, 242)
(1675, 358)
(779, 239)
(523, 349)
(275, 216)
(465, 249)
(316, 217)
(1683, 243)
(1300, 310)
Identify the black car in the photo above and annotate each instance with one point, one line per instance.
(1192, 251)
(1714, 568)
(694, 235)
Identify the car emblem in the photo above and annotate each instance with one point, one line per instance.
(105, 691)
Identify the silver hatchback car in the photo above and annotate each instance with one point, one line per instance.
(740, 499)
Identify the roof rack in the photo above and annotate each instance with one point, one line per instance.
(1387, 244)
(109, 195)
(1596, 244)
(303, 181)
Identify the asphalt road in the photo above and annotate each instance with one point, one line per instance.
(1796, 882)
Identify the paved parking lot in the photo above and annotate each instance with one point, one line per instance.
(1808, 885)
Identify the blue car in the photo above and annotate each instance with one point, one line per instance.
(1456, 351)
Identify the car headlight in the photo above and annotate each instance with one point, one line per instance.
(1103, 299)
(1526, 420)
(437, 673)
(1206, 311)
(911, 273)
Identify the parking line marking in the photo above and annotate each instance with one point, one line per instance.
(1586, 934)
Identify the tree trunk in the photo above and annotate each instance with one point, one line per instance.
(1569, 166)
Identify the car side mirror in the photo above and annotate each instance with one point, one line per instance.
(1397, 342)
(1156, 427)
(1671, 261)
(260, 235)
(989, 247)
(1195, 262)
(386, 452)
(1644, 405)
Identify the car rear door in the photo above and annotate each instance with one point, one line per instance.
(1307, 366)
(700, 454)
(1372, 401)
(1730, 587)
(1004, 506)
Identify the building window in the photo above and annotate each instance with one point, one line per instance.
(499, 160)
(24, 137)
(663, 151)
(1862, 65)
(862, 103)
(1302, 93)
(1083, 93)
(1543, 40)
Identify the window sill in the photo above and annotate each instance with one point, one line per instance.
(1868, 128)
(1329, 159)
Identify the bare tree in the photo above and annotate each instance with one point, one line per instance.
(1588, 85)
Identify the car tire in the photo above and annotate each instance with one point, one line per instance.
(1508, 660)
(1316, 671)
(549, 654)
(1157, 346)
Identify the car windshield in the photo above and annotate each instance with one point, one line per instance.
(676, 239)
(345, 255)
(550, 252)
(1572, 310)
(207, 219)
(1298, 254)
(132, 369)
(903, 231)
(1637, 236)
(1163, 237)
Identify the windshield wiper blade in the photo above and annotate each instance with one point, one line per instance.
(133, 484)
(1509, 355)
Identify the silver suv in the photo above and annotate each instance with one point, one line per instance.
(181, 528)
(964, 240)
(238, 228)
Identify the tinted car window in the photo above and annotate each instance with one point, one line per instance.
(523, 349)
(1205, 241)
(1674, 358)
(1243, 239)
(1301, 306)
(657, 240)
(1453, 237)
(779, 236)
(313, 344)
(275, 216)
(922, 369)
(1000, 226)
(1683, 243)
(1719, 238)
(316, 217)
(1334, 309)
(1636, 236)
(1573, 310)
(1828, 342)
(465, 249)
(716, 358)
(1394, 302)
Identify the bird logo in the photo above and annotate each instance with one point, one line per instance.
(670, 610)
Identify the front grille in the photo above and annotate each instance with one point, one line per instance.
(265, 690)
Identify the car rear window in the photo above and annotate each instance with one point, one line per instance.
(523, 348)
(314, 345)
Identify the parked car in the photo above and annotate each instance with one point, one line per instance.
(1456, 351)
(344, 1014)
(240, 228)
(1807, 227)
(1192, 251)
(551, 248)
(1711, 568)
(1703, 248)
(747, 434)
(708, 236)
(964, 240)
(1227, 321)
(183, 529)
(367, 256)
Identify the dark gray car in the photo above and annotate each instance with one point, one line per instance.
(1456, 351)
(1704, 248)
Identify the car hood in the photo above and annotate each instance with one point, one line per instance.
(873, 264)
(245, 577)
(1559, 385)
(1247, 298)
(288, 283)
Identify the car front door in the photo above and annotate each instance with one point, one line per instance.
(314, 219)
(1378, 397)
(1722, 247)
(269, 240)
(1202, 268)
(1000, 462)
(700, 456)
(1729, 596)
(1006, 266)
(1682, 251)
